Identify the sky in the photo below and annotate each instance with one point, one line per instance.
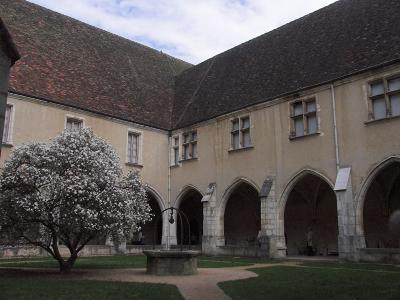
(192, 30)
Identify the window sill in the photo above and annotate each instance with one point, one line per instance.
(7, 145)
(240, 149)
(189, 159)
(371, 121)
(174, 166)
(304, 136)
(134, 165)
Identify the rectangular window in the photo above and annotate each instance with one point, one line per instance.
(189, 145)
(175, 151)
(384, 97)
(7, 125)
(304, 119)
(133, 147)
(74, 124)
(240, 133)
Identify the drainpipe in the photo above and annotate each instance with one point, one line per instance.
(169, 187)
(335, 131)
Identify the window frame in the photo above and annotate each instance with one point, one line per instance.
(139, 147)
(9, 140)
(387, 94)
(240, 131)
(188, 145)
(175, 149)
(74, 118)
(304, 116)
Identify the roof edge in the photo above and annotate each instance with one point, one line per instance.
(382, 65)
(88, 110)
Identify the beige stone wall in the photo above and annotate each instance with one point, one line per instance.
(362, 146)
(35, 120)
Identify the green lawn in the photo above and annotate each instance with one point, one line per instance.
(335, 281)
(19, 287)
(123, 261)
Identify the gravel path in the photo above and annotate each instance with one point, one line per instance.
(200, 286)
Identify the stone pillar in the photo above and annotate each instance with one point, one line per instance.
(272, 245)
(348, 240)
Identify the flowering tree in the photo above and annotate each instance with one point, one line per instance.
(68, 192)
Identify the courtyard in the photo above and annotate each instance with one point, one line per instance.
(123, 277)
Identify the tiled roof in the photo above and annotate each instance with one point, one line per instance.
(344, 38)
(72, 63)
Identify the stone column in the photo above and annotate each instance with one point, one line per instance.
(348, 240)
(272, 245)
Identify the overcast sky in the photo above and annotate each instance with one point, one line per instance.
(192, 30)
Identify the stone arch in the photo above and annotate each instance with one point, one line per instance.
(228, 191)
(307, 189)
(189, 202)
(187, 188)
(226, 211)
(361, 200)
(147, 235)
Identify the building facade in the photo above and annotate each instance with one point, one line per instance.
(286, 145)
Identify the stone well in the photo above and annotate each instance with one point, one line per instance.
(171, 262)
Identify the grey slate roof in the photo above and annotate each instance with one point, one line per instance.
(344, 38)
(72, 63)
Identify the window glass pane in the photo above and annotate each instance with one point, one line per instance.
(194, 150)
(245, 123)
(176, 156)
(235, 125)
(298, 108)
(194, 136)
(311, 106)
(185, 151)
(299, 126)
(246, 138)
(185, 138)
(73, 124)
(394, 84)
(377, 89)
(176, 141)
(395, 102)
(312, 124)
(235, 140)
(379, 106)
(7, 124)
(132, 148)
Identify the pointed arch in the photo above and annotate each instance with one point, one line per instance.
(232, 208)
(231, 188)
(307, 214)
(367, 183)
(186, 189)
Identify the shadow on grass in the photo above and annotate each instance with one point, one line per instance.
(38, 285)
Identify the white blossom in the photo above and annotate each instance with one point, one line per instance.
(70, 190)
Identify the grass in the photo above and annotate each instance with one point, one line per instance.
(19, 287)
(123, 261)
(332, 281)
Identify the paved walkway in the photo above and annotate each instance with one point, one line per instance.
(200, 286)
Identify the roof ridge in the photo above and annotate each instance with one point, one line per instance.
(196, 90)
